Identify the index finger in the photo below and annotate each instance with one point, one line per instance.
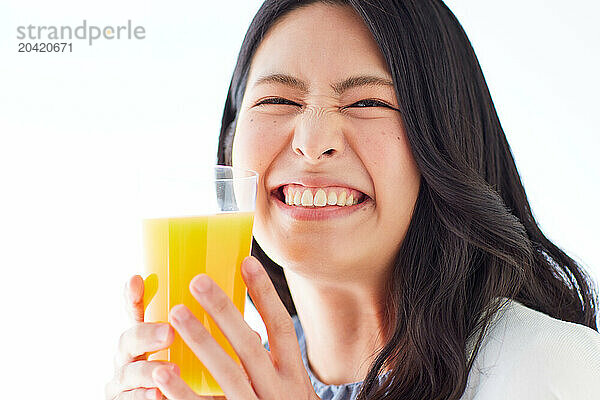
(280, 327)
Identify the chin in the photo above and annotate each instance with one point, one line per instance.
(306, 252)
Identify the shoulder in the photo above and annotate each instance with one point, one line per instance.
(552, 340)
(531, 355)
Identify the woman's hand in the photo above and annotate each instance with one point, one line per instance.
(275, 375)
(133, 372)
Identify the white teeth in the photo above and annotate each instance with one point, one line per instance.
(297, 200)
(332, 199)
(320, 198)
(341, 201)
(307, 198)
(350, 200)
(300, 197)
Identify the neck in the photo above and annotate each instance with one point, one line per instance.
(343, 326)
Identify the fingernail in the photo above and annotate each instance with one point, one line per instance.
(180, 313)
(174, 368)
(251, 266)
(129, 292)
(133, 297)
(152, 394)
(162, 333)
(201, 283)
(161, 375)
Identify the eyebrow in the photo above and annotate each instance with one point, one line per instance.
(338, 87)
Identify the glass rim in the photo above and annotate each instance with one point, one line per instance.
(253, 173)
(249, 174)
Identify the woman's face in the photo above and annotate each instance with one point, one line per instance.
(316, 130)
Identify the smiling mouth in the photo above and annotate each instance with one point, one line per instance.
(316, 197)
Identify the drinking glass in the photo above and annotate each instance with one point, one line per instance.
(195, 220)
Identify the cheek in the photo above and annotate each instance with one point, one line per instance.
(256, 145)
(388, 159)
(256, 142)
(384, 148)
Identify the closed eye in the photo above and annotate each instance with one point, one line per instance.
(359, 104)
(277, 100)
(369, 103)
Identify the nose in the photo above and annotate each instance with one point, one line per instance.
(318, 135)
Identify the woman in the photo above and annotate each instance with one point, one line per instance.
(390, 218)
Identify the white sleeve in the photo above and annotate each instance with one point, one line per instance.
(572, 362)
(532, 356)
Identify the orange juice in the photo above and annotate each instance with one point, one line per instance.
(176, 250)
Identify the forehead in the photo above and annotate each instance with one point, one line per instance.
(319, 42)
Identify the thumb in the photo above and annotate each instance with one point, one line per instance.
(134, 296)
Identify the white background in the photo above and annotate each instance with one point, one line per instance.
(75, 127)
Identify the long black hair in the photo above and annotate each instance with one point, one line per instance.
(472, 239)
